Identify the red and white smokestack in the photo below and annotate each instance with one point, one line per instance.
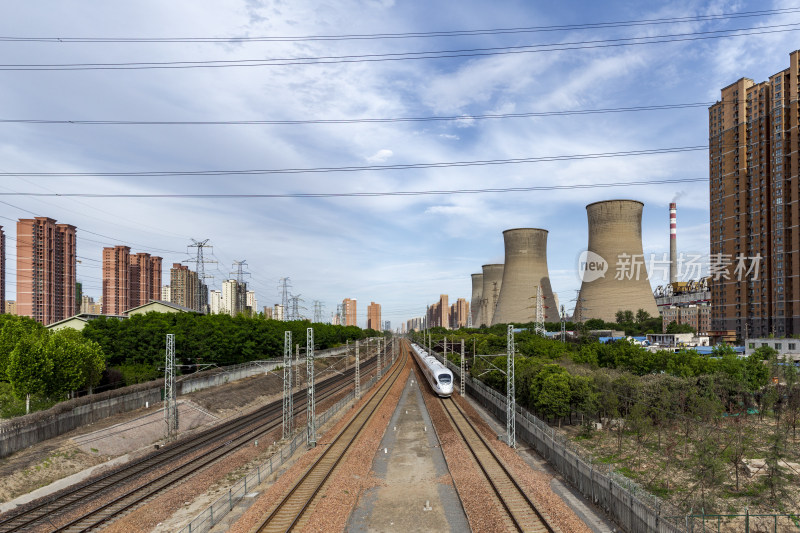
(673, 247)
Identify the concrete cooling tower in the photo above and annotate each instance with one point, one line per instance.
(613, 270)
(492, 282)
(525, 271)
(477, 294)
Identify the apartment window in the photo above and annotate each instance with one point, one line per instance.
(778, 345)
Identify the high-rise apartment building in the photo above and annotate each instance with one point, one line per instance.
(252, 302)
(165, 293)
(45, 270)
(374, 316)
(2, 270)
(129, 280)
(755, 220)
(90, 307)
(349, 312)
(116, 279)
(215, 302)
(183, 286)
(459, 313)
(438, 315)
(234, 297)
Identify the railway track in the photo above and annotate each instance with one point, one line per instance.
(289, 512)
(520, 509)
(228, 437)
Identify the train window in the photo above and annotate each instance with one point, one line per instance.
(444, 379)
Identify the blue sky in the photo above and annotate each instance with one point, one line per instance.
(399, 251)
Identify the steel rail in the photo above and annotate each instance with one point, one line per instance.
(519, 507)
(286, 514)
(258, 422)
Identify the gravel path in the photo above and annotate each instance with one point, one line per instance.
(339, 495)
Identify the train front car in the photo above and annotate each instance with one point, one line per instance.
(439, 377)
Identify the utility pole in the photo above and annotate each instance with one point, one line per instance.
(170, 393)
(444, 354)
(563, 324)
(511, 430)
(358, 374)
(288, 400)
(378, 343)
(297, 358)
(310, 415)
(200, 297)
(539, 328)
(463, 367)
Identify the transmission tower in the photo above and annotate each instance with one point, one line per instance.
(284, 286)
(539, 328)
(170, 396)
(295, 304)
(241, 285)
(310, 413)
(200, 297)
(288, 400)
(318, 311)
(511, 407)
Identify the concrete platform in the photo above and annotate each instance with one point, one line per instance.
(418, 492)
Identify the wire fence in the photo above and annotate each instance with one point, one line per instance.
(215, 512)
(748, 523)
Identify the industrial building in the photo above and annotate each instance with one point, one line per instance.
(613, 269)
(525, 274)
(753, 182)
(477, 295)
(492, 283)
(129, 280)
(685, 302)
(374, 316)
(45, 270)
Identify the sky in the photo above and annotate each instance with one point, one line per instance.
(240, 61)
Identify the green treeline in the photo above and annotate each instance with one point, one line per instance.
(48, 366)
(682, 424)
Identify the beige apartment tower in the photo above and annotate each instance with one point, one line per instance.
(524, 274)
(374, 316)
(615, 243)
(45, 270)
(492, 284)
(459, 313)
(477, 294)
(754, 186)
(349, 312)
(183, 286)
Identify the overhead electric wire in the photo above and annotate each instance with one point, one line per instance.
(405, 56)
(530, 114)
(318, 170)
(573, 186)
(407, 35)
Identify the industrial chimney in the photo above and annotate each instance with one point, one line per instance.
(613, 268)
(475, 304)
(525, 271)
(673, 247)
(492, 282)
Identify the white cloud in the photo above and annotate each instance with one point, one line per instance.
(381, 156)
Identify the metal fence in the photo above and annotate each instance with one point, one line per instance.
(629, 505)
(747, 523)
(225, 504)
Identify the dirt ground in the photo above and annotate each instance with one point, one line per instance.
(136, 431)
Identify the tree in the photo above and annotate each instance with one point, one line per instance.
(620, 317)
(12, 329)
(642, 316)
(77, 362)
(29, 368)
(554, 396)
(628, 316)
(674, 327)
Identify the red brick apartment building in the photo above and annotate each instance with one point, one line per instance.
(45, 270)
(129, 280)
(755, 205)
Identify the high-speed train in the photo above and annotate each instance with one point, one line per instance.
(439, 376)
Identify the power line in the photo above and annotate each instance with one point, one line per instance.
(573, 186)
(316, 170)
(531, 114)
(405, 56)
(405, 35)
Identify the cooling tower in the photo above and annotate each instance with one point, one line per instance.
(492, 282)
(477, 294)
(524, 272)
(613, 270)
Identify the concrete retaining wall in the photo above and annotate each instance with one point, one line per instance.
(24, 431)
